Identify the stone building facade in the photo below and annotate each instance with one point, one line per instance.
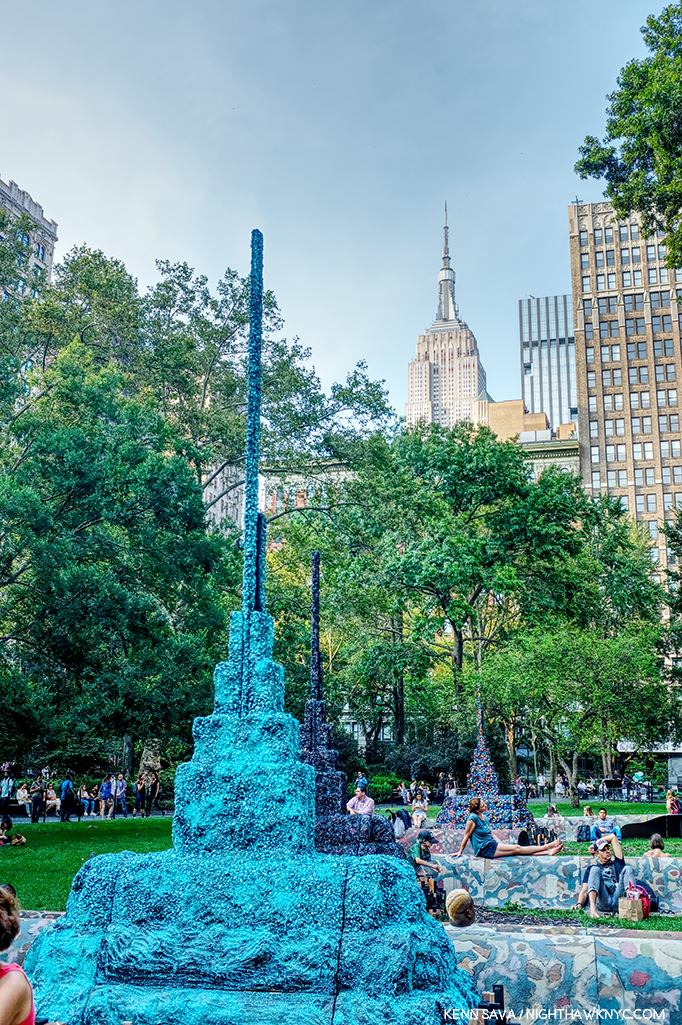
(628, 365)
(446, 376)
(44, 237)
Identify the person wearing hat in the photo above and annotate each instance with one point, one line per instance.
(609, 878)
(460, 908)
(420, 853)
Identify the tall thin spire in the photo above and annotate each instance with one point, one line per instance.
(447, 307)
(446, 232)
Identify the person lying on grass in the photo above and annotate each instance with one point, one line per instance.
(486, 846)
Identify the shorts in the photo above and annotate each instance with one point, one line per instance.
(488, 851)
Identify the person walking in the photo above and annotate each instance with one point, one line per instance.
(121, 787)
(106, 799)
(140, 788)
(68, 798)
(6, 791)
(37, 794)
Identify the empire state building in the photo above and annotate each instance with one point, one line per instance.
(446, 379)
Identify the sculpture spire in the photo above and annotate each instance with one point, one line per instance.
(315, 659)
(253, 581)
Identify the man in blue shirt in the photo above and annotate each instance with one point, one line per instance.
(67, 797)
(605, 826)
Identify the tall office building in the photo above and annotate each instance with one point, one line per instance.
(548, 382)
(627, 346)
(43, 238)
(446, 376)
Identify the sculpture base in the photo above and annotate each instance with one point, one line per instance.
(164, 939)
(505, 811)
(356, 835)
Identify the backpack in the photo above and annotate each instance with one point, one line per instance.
(637, 890)
(583, 833)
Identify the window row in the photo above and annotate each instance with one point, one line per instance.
(607, 258)
(633, 301)
(638, 400)
(630, 279)
(640, 450)
(669, 474)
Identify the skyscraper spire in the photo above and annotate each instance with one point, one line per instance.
(447, 307)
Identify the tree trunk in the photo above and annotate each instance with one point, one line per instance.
(552, 771)
(127, 755)
(510, 739)
(457, 659)
(572, 773)
(533, 740)
(398, 688)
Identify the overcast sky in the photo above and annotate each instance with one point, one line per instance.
(154, 129)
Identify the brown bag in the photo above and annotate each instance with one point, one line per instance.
(630, 910)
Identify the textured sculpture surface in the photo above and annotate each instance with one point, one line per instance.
(243, 920)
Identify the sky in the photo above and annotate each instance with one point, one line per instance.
(169, 130)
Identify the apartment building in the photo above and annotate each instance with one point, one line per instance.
(43, 238)
(628, 365)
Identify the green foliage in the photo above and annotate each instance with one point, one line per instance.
(640, 157)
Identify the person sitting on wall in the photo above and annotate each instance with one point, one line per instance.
(361, 804)
(605, 826)
(554, 821)
(656, 845)
(484, 844)
(609, 878)
(16, 995)
(460, 908)
(671, 804)
(420, 854)
(23, 799)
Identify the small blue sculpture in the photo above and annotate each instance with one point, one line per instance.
(243, 921)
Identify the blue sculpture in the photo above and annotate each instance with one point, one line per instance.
(243, 921)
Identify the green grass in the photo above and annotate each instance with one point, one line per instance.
(612, 808)
(632, 848)
(581, 918)
(43, 869)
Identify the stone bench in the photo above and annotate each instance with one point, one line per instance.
(32, 923)
(550, 882)
(550, 969)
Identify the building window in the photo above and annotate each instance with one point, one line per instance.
(618, 400)
(658, 370)
(620, 426)
(592, 403)
(624, 503)
(653, 276)
(610, 454)
(674, 423)
(588, 330)
(667, 501)
(625, 256)
(660, 398)
(627, 279)
(596, 479)
(584, 261)
(653, 532)
(591, 379)
(637, 274)
(636, 425)
(622, 478)
(639, 503)
(597, 236)
(594, 454)
(583, 238)
(608, 428)
(677, 474)
(586, 283)
(651, 253)
(587, 307)
(663, 424)
(594, 428)
(610, 258)
(608, 235)
(672, 396)
(636, 258)
(645, 399)
(604, 333)
(665, 475)
(608, 403)
(632, 375)
(620, 453)
(634, 232)
(611, 478)
(646, 425)
(611, 280)
(633, 302)
(606, 378)
(623, 232)
(643, 375)
(599, 258)
(634, 400)
(589, 354)
(601, 283)
(651, 503)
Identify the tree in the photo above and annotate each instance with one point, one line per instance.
(641, 154)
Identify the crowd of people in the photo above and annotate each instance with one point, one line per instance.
(44, 796)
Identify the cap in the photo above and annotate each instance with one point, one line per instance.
(601, 843)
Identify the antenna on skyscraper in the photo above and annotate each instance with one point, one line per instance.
(446, 247)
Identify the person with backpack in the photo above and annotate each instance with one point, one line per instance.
(68, 798)
(610, 878)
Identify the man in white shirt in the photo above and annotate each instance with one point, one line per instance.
(361, 804)
(6, 791)
(541, 785)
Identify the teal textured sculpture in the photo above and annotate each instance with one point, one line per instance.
(242, 921)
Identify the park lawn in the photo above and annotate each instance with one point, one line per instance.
(655, 922)
(632, 847)
(43, 869)
(612, 808)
